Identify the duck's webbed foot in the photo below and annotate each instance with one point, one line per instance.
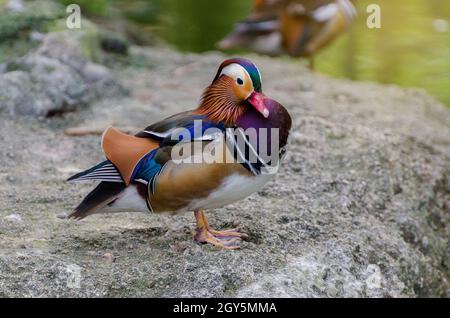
(228, 239)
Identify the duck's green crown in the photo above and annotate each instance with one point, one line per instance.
(251, 69)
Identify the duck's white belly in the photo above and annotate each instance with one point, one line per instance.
(234, 188)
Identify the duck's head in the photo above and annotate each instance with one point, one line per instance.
(236, 87)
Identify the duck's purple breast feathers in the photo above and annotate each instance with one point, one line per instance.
(278, 118)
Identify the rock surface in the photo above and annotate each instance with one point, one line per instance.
(360, 207)
(54, 78)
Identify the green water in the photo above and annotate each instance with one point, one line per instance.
(411, 48)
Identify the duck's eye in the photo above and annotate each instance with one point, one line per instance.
(240, 81)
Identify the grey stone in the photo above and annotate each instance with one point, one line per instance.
(360, 207)
(16, 91)
(55, 78)
(15, 5)
(37, 36)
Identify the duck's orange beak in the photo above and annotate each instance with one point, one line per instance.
(257, 100)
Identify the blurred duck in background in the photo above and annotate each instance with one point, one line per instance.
(299, 28)
(260, 32)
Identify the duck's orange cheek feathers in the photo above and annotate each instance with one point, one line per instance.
(244, 91)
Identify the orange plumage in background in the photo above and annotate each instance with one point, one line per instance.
(299, 28)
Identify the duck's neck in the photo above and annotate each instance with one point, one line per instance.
(219, 103)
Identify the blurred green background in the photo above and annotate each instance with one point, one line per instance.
(411, 49)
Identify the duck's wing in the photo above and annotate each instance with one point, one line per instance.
(307, 26)
(182, 180)
(329, 22)
(186, 129)
(187, 177)
(132, 159)
(124, 152)
(176, 128)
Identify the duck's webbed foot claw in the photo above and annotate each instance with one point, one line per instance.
(227, 239)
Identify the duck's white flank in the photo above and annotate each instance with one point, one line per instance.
(128, 201)
(234, 188)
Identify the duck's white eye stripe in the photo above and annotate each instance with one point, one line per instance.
(236, 72)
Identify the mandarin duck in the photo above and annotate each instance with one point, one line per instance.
(298, 28)
(259, 32)
(206, 158)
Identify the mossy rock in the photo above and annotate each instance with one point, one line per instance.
(11, 24)
(15, 26)
(36, 16)
(10, 49)
(88, 36)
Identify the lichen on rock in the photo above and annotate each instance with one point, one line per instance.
(56, 77)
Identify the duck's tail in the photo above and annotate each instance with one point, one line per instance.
(104, 171)
(105, 193)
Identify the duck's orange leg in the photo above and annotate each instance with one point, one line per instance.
(228, 239)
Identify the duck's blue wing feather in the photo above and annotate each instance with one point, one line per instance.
(185, 127)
